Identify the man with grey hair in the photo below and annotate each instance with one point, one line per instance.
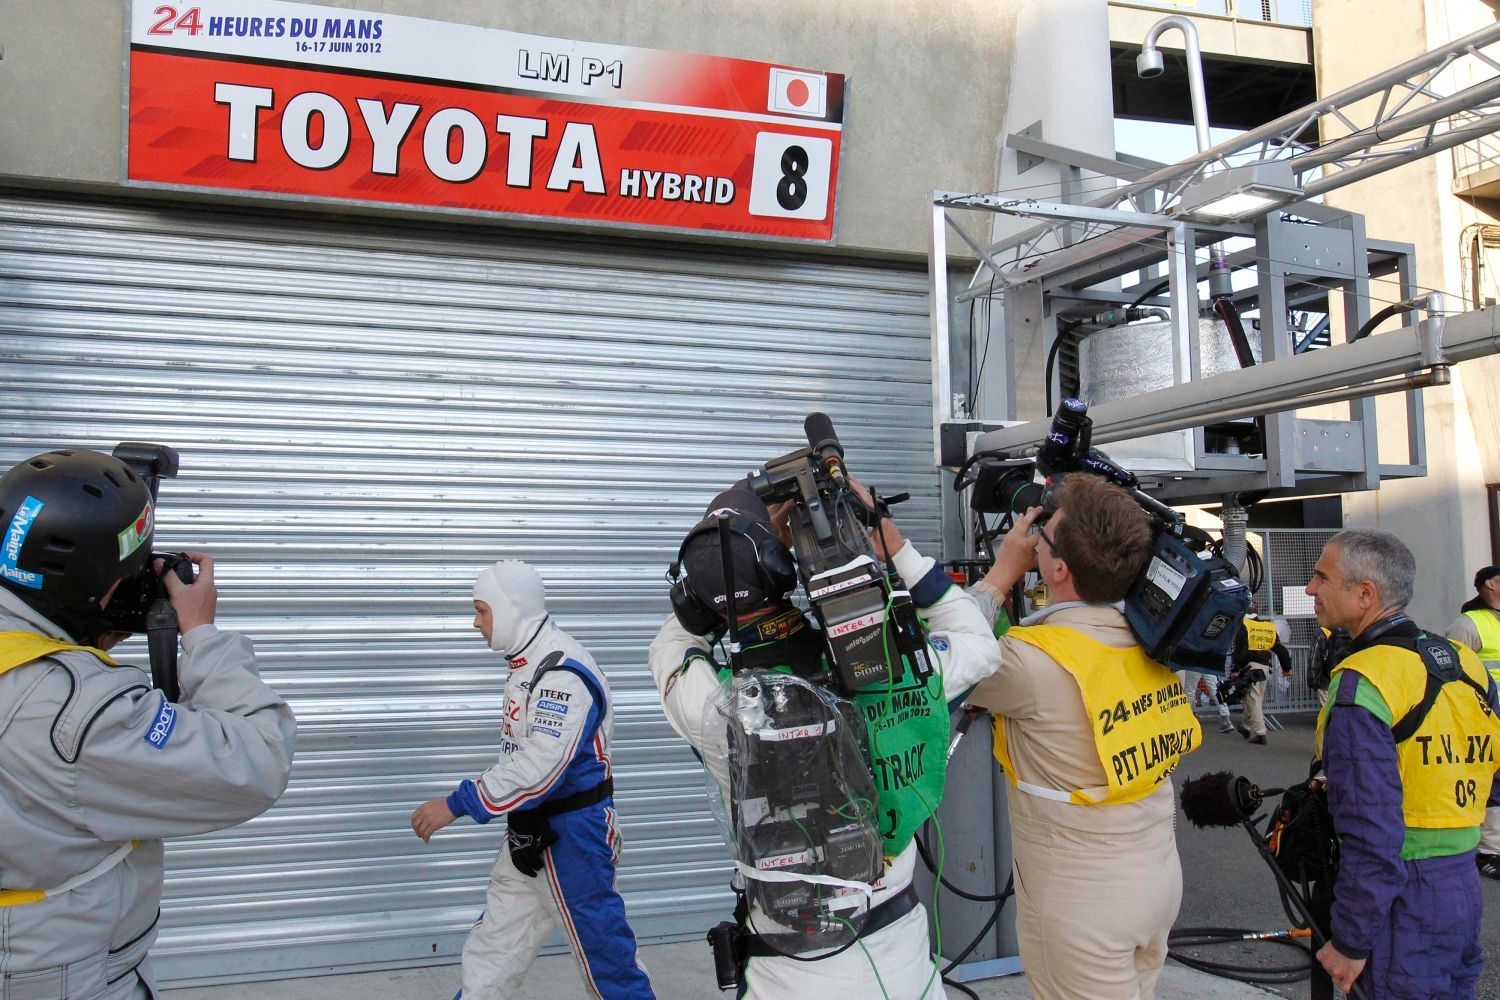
(1408, 740)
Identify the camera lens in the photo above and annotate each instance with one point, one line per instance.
(1023, 496)
(999, 484)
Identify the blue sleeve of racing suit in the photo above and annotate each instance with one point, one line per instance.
(464, 801)
(529, 775)
(931, 587)
(1364, 796)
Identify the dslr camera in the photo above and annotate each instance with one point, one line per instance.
(140, 603)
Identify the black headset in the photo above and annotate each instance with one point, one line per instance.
(775, 572)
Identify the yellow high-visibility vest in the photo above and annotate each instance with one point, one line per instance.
(1488, 624)
(1260, 635)
(1143, 723)
(1447, 764)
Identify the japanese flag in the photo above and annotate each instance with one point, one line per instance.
(797, 93)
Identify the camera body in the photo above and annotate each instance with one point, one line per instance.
(847, 588)
(131, 605)
(1183, 609)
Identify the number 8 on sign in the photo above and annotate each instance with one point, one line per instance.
(790, 177)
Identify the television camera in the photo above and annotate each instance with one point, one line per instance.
(854, 598)
(1184, 608)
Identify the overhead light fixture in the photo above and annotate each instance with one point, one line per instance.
(1238, 193)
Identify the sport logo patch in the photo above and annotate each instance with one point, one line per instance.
(136, 533)
(162, 725)
(939, 644)
(1216, 626)
(15, 537)
(780, 626)
(556, 707)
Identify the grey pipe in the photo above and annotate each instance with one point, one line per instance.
(1236, 518)
(1149, 64)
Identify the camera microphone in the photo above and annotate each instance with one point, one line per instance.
(1104, 467)
(825, 445)
(1067, 438)
(1222, 798)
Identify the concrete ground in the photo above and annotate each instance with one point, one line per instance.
(1225, 884)
(679, 971)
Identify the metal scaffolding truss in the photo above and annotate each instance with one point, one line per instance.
(1390, 119)
(1147, 225)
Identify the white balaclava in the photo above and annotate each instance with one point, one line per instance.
(518, 604)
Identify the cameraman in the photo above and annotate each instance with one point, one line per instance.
(1088, 730)
(891, 956)
(98, 766)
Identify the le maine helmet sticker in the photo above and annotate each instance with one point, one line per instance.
(15, 538)
(136, 533)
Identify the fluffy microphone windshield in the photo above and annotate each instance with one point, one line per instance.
(1218, 799)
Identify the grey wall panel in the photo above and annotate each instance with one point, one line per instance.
(369, 412)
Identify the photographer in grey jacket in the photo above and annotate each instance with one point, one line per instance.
(96, 766)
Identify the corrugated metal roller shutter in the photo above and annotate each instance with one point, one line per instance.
(366, 414)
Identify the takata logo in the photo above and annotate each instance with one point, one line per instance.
(796, 93)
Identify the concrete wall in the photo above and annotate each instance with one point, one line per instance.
(1218, 36)
(927, 84)
(1443, 517)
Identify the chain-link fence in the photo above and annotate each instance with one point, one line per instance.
(1288, 555)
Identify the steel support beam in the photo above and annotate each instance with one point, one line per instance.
(1274, 386)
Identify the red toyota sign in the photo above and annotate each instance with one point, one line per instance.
(290, 99)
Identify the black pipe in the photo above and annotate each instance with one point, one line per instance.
(1226, 310)
(1383, 315)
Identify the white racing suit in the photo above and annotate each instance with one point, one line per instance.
(554, 747)
(91, 759)
(896, 958)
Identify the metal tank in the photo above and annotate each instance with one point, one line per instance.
(1124, 361)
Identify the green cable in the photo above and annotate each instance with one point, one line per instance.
(937, 891)
(868, 957)
(937, 896)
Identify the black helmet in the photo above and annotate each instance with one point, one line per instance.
(73, 523)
